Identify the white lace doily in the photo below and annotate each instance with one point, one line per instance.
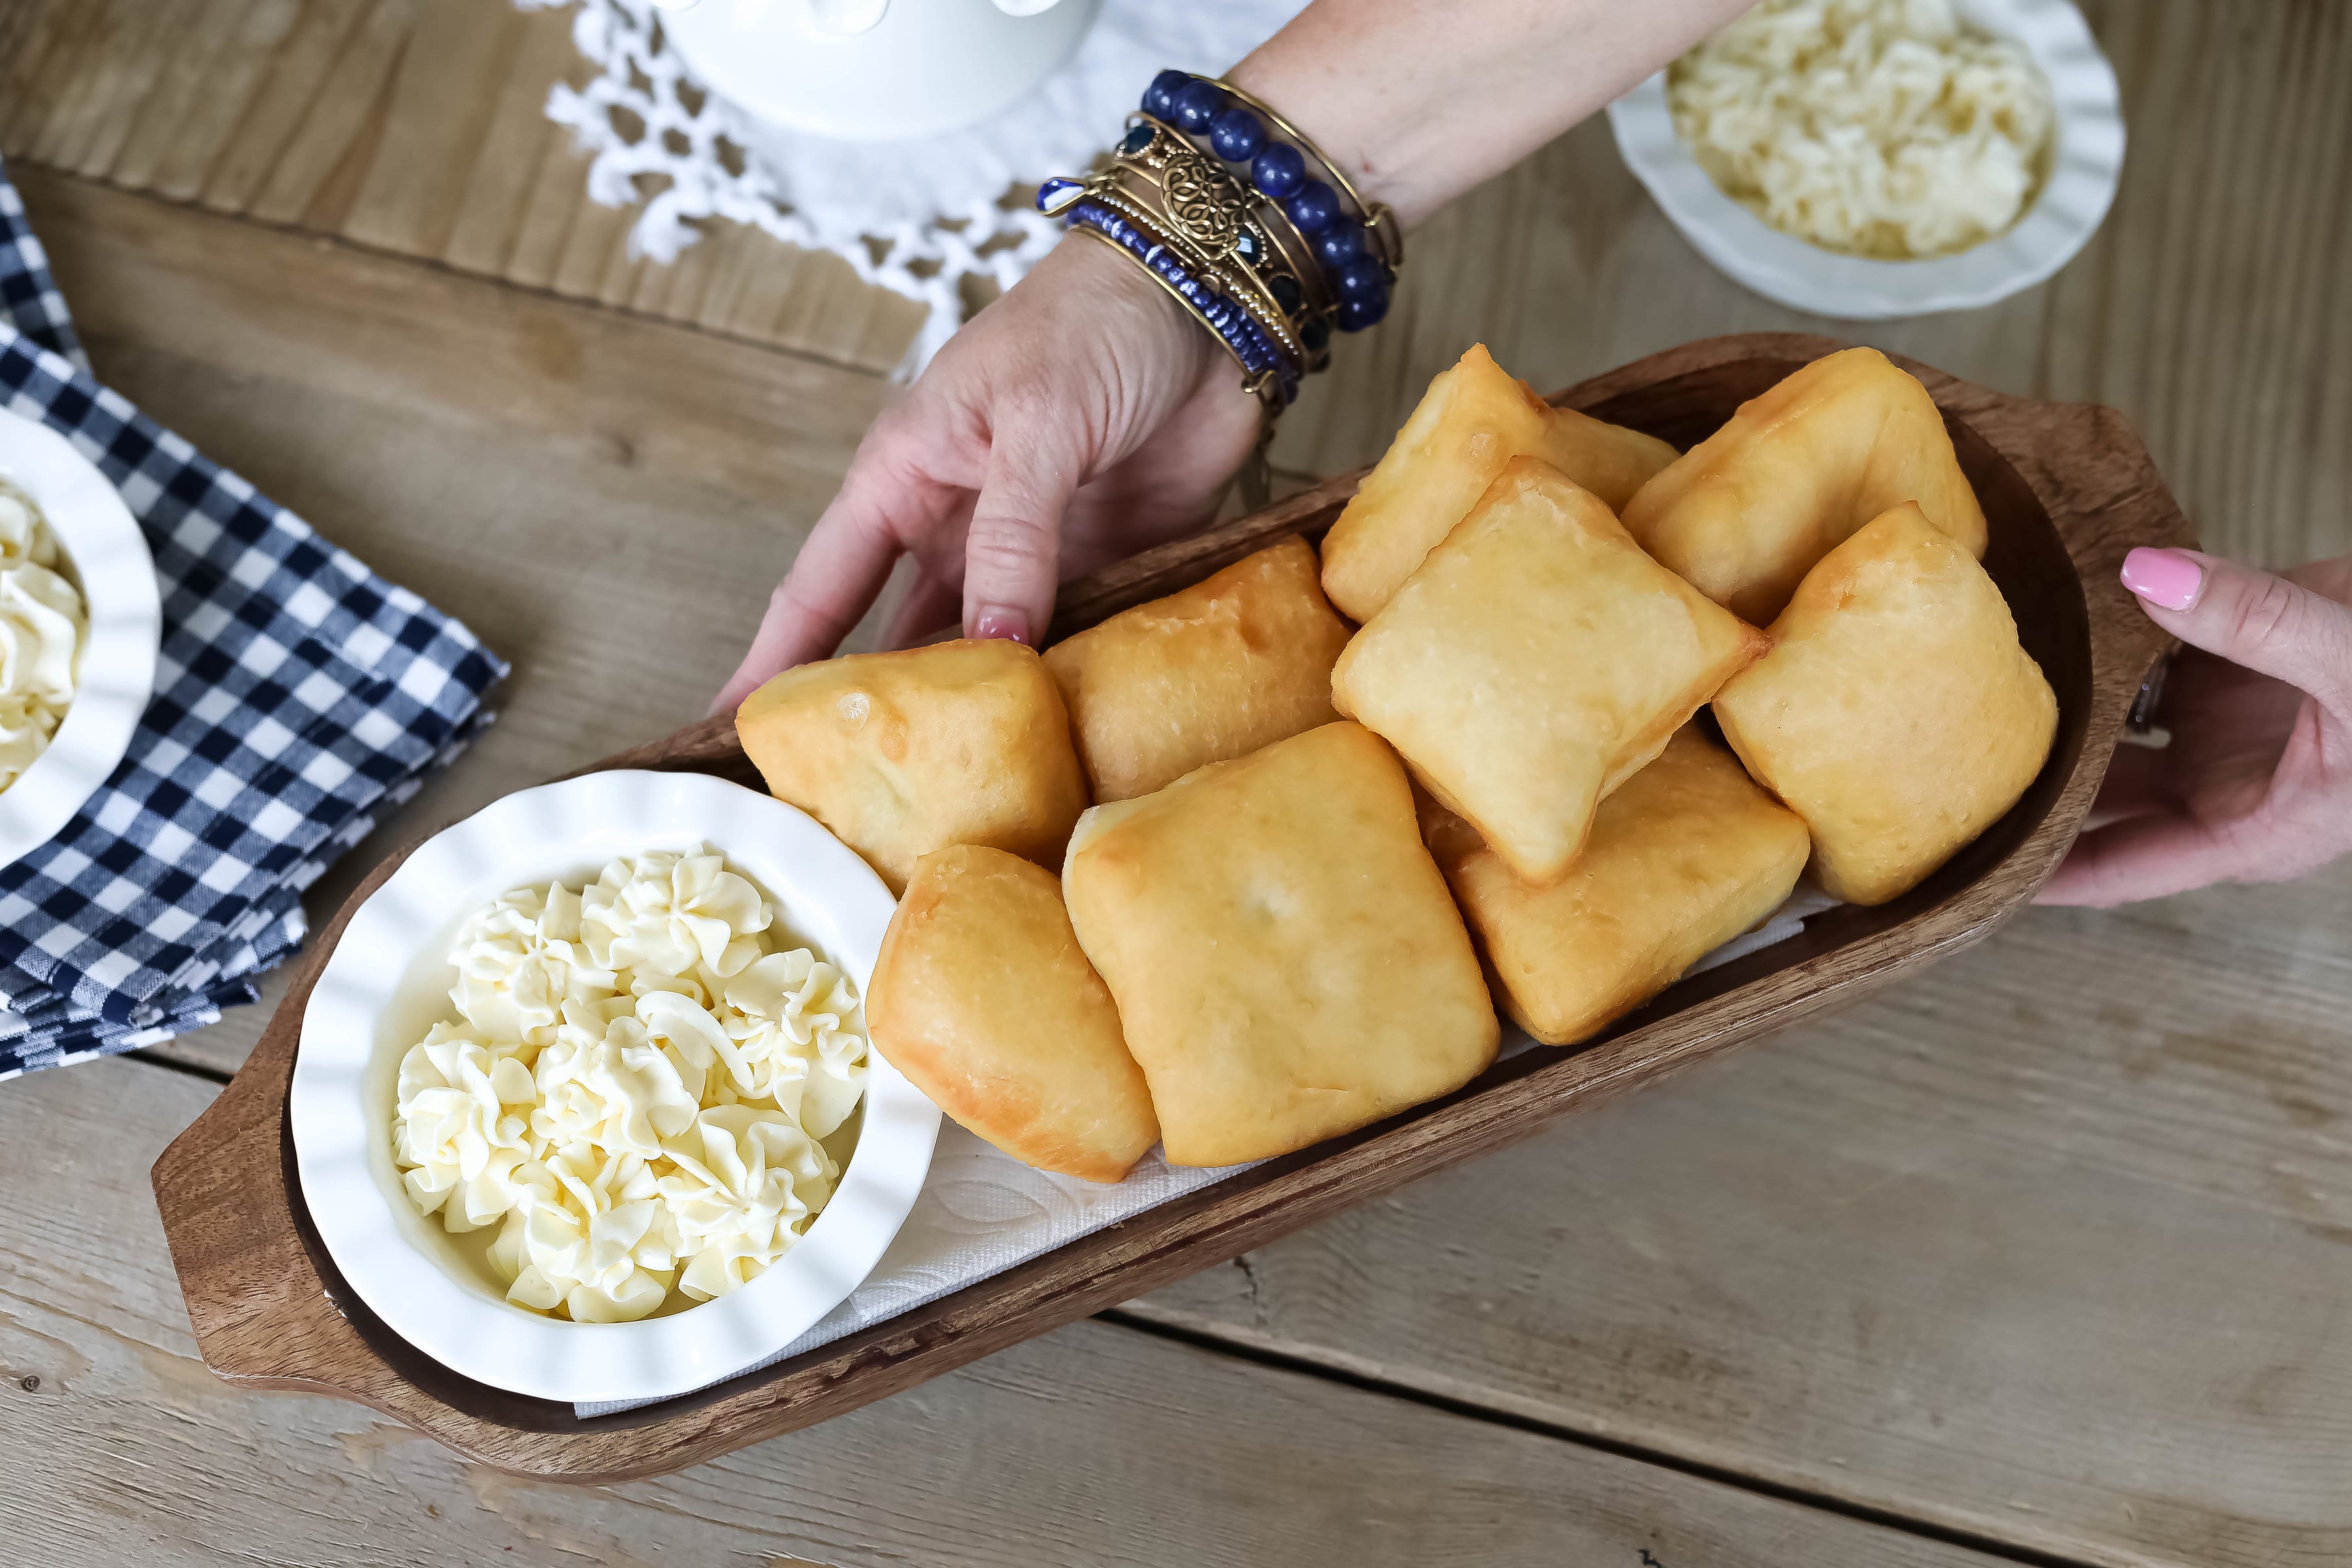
(914, 216)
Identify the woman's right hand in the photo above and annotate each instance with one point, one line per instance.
(1081, 417)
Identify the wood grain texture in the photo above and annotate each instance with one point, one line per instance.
(1099, 1446)
(2050, 1244)
(413, 126)
(270, 1310)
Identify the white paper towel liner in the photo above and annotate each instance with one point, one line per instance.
(981, 1211)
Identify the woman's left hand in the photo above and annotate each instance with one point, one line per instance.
(2257, 786)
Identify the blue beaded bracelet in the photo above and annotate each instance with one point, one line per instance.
(1245, 222)
(1356, 275)
(1259, 354)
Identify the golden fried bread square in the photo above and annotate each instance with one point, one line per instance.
(902, 753)
(1473, 419)
(1747, 512)
(1205, 675)
(1896, 712)
(983, 999)
(1689, 854)
(1535, 662)
(1285, 959)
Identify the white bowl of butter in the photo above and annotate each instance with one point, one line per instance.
(631, 1141)
(81, 619)
(1818, 124)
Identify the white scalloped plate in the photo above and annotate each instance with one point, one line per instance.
(117, 574)
(2086, 167)
(388, 980)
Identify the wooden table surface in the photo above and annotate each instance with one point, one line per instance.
(2045, 1257)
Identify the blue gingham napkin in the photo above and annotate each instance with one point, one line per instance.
(296, 696)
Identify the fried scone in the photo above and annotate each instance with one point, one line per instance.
(1747, 512)
(1287, 961)
(1473, 419)
(1686, 855)
(1536, 661)
(902, 753)
(982, 998)
(1205, 675)
(1895, 713)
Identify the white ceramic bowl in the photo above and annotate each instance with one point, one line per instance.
(388, 980)
(2085, 165)
(117, 576)
(877, 70)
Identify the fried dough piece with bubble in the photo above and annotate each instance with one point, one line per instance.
(902, 753)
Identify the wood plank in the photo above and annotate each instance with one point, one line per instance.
(282, 72)
(517, 141)
(166, 137)
(417, 126)
(2049, 1245)
(1101, 1444)
(2214, 306)
(444, 99)
(67, 42)
(124, 70)
(316, 175)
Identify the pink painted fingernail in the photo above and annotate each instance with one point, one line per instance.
(2165, 578)
(1007, 621)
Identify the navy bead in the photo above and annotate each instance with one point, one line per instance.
(1284, 289)
(1360, 311)
(1136, 140)
(1315, 334)
(1236, 136)
(1197, 104)
(1339, 244)
(1314, 206)
(1160, 98)
(1277, 169)
(1056, 194)
(1361, 276)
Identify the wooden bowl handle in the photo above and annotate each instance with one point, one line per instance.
(2105, 497)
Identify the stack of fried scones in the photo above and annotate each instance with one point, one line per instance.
(1285, 846)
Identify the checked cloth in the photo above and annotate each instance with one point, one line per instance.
(297, 695)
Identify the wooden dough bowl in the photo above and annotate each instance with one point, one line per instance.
(2067, 490)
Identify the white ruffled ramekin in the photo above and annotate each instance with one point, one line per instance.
(2085, 166)
(117, 576)
(388, 980)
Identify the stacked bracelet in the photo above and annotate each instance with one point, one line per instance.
(1270, 259)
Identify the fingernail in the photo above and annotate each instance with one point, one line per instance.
(1007, 621)
(2165, 578)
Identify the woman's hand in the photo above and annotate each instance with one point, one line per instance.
(1079, 418)
(2257, 786)
(1085, 415)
